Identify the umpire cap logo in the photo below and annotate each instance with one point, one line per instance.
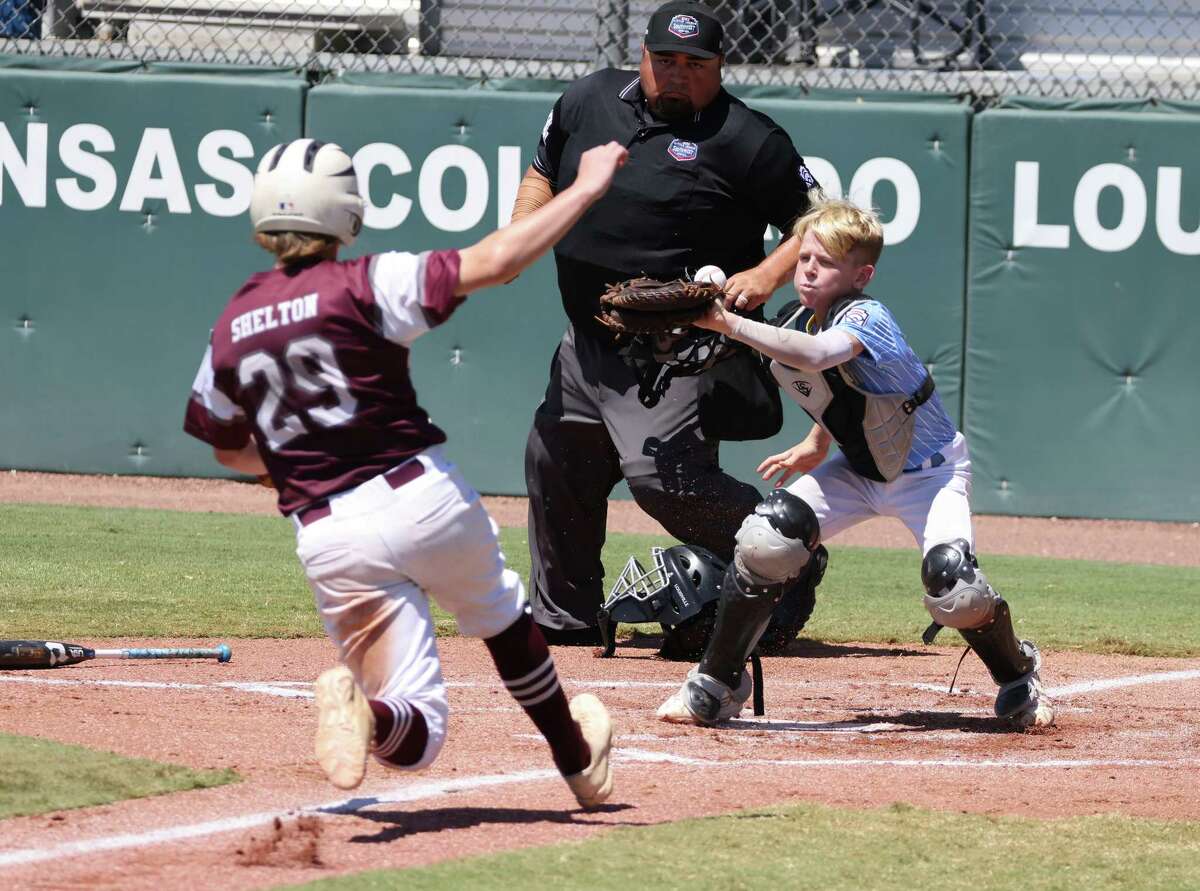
(684, 26)
(682, 150)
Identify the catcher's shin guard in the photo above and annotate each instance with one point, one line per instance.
(774, 548)
(795, 607)
(743, 614)
(998, 647)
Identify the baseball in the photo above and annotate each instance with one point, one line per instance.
(710, 274)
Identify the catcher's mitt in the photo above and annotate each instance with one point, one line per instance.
(648, 306)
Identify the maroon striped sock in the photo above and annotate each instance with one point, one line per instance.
(527, 669)
(400, 732)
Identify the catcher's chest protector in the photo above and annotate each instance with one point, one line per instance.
(873, 431)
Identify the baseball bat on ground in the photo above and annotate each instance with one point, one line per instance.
(52, 653)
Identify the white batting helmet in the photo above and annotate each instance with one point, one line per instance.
(307, 186)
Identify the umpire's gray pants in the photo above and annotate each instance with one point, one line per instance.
(591, 430)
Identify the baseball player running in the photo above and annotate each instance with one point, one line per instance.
(306, 378)
(842, 357)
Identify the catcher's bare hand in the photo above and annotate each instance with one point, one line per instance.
(749, 290)
(597, 166)
(800, 458)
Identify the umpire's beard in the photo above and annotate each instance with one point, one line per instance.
(673, 109)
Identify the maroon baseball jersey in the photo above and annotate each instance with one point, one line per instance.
(313, 361)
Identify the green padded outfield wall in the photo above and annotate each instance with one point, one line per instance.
(443, 167)
(122, 220)
(1082, 369)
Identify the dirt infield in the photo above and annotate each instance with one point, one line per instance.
(846, 725)
(851, 725)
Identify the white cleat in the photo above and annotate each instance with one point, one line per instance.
(704, 700)
(594, 783)
(345, 727)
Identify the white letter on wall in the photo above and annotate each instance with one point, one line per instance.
(908, 194)
(88, 165)
(429, 188)
(1087, 207)
(1166, 214)
(1027, 231)
(28, 173)
(508, 179)
(156, 149)
(366, 159)
(226, 171)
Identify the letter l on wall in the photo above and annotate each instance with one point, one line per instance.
(1027, 231)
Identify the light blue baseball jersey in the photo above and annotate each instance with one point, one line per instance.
(887, 364)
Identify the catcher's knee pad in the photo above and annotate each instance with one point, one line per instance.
(957, 593)
(775, 542)
(958, 596)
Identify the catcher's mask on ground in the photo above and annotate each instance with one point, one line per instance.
(679, 591)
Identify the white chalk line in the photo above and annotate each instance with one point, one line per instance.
(285, 689)
(303, 689)
(397, 794)
(1164, 677)
(423, 791)
(649, 757)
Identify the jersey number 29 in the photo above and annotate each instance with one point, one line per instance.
(310, 366)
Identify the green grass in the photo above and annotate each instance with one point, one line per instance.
(38, 776)
(96, 572)
(812, 846)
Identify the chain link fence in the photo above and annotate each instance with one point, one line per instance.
(987, 48)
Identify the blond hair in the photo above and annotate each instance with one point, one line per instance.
(297, 247)
(843, 228)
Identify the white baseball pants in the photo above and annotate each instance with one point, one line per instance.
(379, 556)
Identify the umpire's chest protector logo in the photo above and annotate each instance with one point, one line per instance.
(682, 150)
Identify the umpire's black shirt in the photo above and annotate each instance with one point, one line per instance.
(691, 194)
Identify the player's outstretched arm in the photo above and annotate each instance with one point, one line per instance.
(504, 253)
(809, 352)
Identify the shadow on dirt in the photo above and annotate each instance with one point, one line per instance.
(926, 721)
(399, 824)
(801, 648)
(806, 648)
(878, 722)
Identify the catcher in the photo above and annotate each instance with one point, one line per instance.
(841, 356)
(645, 306)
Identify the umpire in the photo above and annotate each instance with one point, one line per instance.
(705, 176)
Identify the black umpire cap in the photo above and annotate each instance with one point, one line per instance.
(685, 26)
